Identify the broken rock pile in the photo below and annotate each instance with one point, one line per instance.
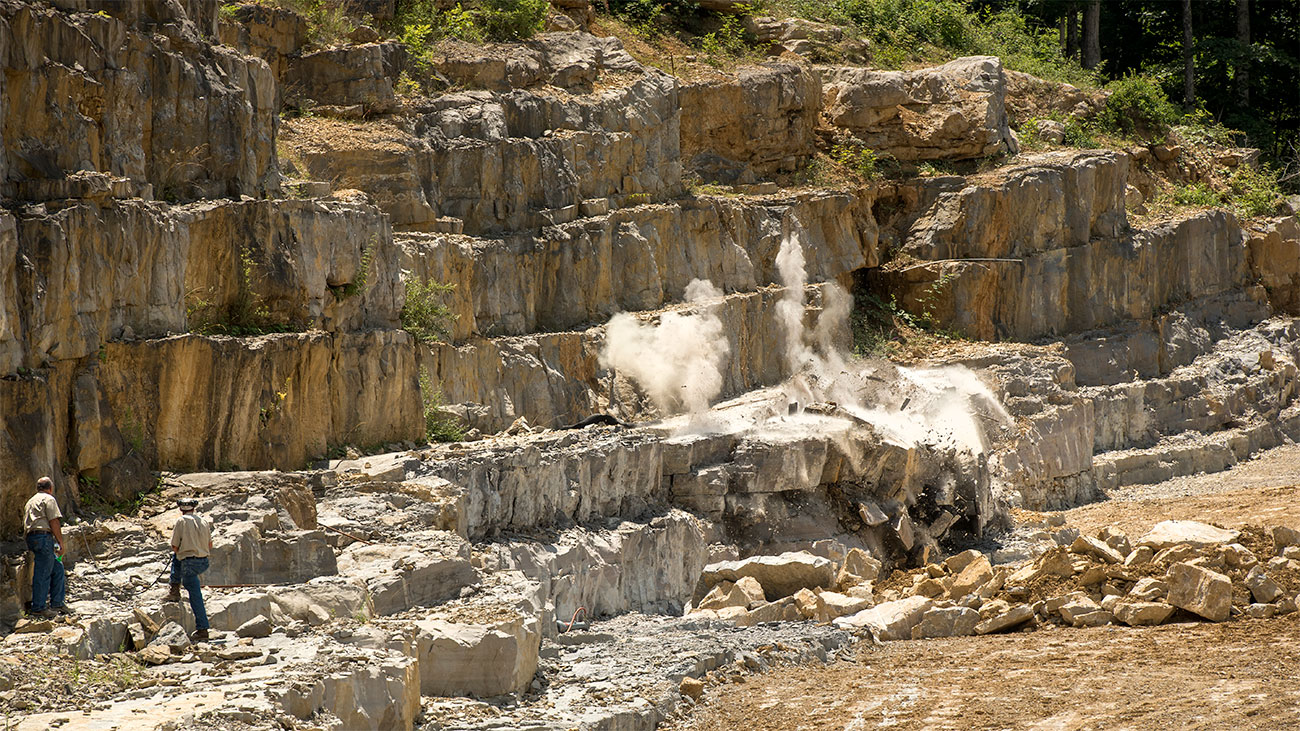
(1178, 571)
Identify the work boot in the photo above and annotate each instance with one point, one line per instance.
(64, 610)
(200, 635)
(174, 595)
(46, 613)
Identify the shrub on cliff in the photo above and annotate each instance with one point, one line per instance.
(1137, 107)
(424, 315)
(511, 20)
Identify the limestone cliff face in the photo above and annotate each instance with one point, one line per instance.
(100, 95)
(953, 111)
(280, 400)
(79, 275)
(636, 259)
(138, 165)
(760, 122)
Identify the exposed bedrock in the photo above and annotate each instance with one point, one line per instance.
(760, 122)
(190, 402)
(953, 111)
(1048, 284)
(506, 161)
(555, 379)
(1273, 249)
(92, 96)
(241, 394)
(636, 259)
(790, 483)
(78, 276)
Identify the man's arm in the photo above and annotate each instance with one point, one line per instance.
(58, 534)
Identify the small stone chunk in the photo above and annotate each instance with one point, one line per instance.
(946, 622)
(1084, 612)
(1056, 562)
(832, 605)
(1089, 546)
(1149, 590)
(1116, 539)
(1278, 563)
(1284, 536)
(1261, 611)
(258, 626)
(156, 655)
(957, 562)
(1140, 556)
(1237, 556)
(1176, 554)
(172, 636)
(33, 626)
(692, 688)
(1142, 614)
(858, 567)
(1264, 589)
(1012, 618)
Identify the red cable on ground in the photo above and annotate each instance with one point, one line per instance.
(573, 620)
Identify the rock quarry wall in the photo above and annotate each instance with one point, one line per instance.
(551, 190)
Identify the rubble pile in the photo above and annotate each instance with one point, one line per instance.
(1179, 571)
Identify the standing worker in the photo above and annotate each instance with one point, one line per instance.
(191, 544)
(41, 523)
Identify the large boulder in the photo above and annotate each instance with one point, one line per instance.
(780, 576)
(1200, 591)
(954, 111)
(477, 659)
(974, 575)
(1170, 533)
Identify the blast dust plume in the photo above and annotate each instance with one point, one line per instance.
(677, 362)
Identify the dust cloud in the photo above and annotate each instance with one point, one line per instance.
(679, 363)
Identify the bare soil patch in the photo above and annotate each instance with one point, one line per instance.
(1183, 676)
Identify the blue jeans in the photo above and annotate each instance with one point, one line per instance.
(186, 573)
(48, 578)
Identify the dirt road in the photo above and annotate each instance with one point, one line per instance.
(1238, 675)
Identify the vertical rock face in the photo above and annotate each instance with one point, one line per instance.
(352, 75)
(80, 275)
(509, 161)
(1017, 292)
(241, 395)
(87, 92)
(953, 111)
(634, 260)
(761, 122)
(1274, 256)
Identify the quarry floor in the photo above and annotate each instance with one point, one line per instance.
(1241, 674)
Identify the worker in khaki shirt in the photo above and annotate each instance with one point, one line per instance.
(191, 544)
(42, 525)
